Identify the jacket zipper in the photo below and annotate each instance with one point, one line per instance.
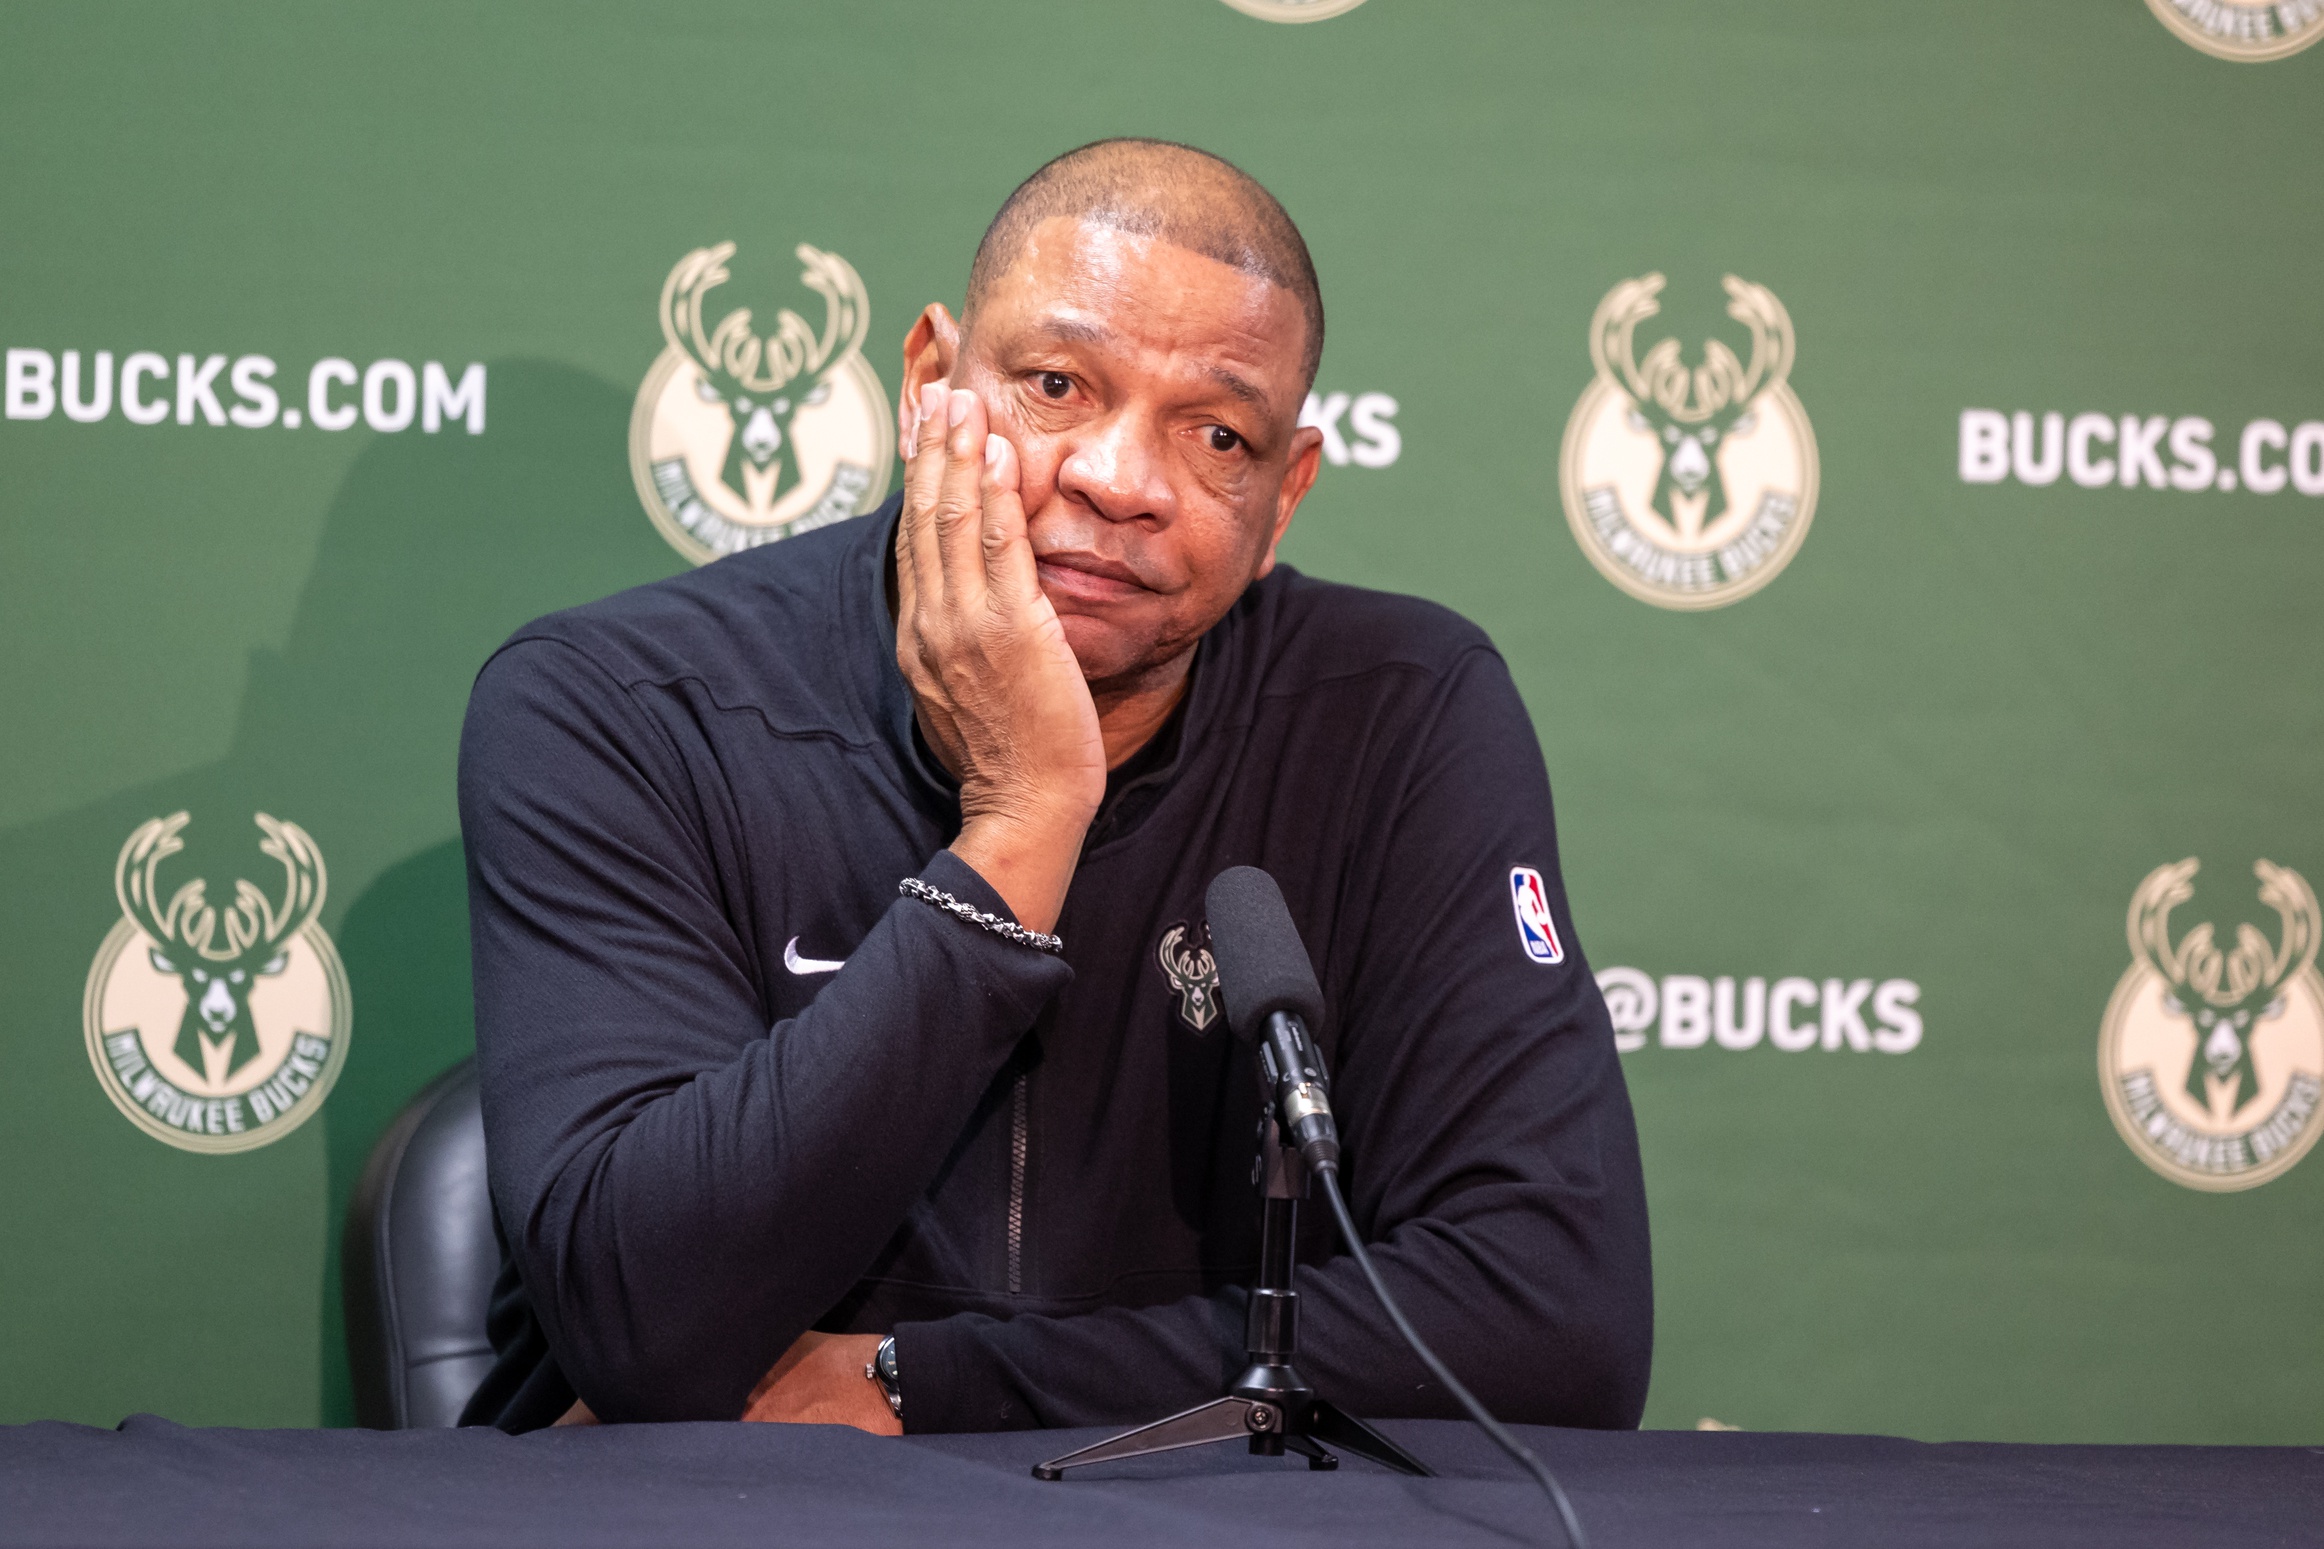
(1019, 1123)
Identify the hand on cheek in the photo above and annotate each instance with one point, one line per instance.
(995, 686)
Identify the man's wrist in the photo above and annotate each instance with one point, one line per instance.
(1025, 856)
(1033, 814)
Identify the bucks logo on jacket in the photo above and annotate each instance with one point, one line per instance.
(1689, 487)
(217, 1025)
(2247, 31)
(1183, 954)
(740, 438)
(2211, 1056)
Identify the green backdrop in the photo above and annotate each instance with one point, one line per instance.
(1940, 746)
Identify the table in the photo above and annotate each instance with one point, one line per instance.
(152, 1483)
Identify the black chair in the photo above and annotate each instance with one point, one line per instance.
(418, 1261)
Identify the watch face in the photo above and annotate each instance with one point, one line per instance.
(883, 1371)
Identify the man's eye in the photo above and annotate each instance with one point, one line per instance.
(1054, 384)
(1222, 439)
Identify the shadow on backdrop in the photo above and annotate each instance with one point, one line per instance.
(435, 548)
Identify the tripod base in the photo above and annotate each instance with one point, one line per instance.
(1270, 1404)
(1272, 1430)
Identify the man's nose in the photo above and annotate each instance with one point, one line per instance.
(1116, 467)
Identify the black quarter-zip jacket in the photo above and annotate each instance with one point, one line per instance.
(682, 804)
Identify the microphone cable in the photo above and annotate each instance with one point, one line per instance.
(1477, 1412)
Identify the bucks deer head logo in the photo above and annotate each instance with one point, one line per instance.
(217, 1022)
(1184, 956)
(1688, 411)
(1689, 485)
(218, 954)
(2224, 994)
(747, 432)
(763, 380)
(2211, 1056)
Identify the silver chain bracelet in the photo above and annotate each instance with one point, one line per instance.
(1007, 930)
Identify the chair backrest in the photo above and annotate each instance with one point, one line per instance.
(418, 1261)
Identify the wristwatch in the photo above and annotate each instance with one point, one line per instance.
(881, 1368)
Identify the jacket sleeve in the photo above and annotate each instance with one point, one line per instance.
(1491, 1159)
(653, 1143)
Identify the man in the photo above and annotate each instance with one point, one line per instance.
(773, 1139)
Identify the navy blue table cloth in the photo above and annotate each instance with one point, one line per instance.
(151, 1483)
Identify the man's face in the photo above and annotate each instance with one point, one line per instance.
(1153, 396)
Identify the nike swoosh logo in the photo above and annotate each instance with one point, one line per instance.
(809, 965)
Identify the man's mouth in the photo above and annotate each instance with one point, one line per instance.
(1087, 578)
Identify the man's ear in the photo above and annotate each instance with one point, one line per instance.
(930, 350)
(1298, 479)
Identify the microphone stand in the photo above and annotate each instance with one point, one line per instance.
(1270, 1403)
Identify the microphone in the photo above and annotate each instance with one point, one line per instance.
(1268, 988)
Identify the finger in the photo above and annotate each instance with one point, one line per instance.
(1010, 571)
(927, 421)
(916, 550)
(921, 471)
(958, 508)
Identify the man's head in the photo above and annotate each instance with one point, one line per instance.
(1143, 323)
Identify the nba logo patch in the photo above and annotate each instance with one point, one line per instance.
(1534, 926)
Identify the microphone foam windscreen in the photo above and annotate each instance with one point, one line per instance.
(1262, 964)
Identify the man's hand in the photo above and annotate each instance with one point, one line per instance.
(820, 1381)
(998, 692)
